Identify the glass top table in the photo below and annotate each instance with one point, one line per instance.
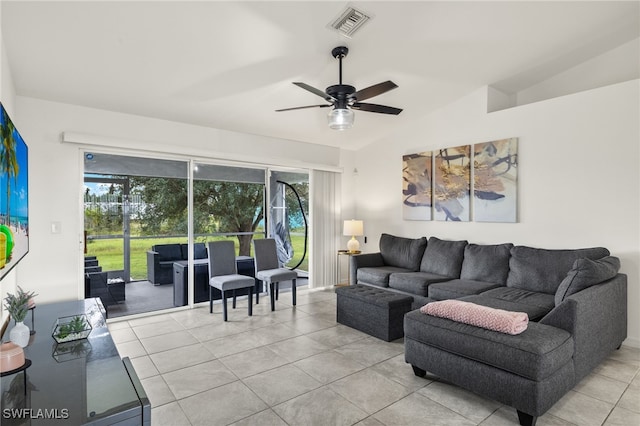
(74, 383)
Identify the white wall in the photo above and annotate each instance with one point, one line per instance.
(53, 267)
(578, 175)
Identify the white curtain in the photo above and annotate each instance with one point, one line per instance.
(325, 231)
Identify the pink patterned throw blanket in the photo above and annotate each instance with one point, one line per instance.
(478, 315)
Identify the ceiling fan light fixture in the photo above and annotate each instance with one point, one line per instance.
(341, 118)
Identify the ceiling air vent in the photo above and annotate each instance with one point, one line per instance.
(349, 21)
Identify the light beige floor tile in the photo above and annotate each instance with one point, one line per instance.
(617, 370)
(149, 320)
(337, 336)
(416, 409)
(465, 403)
(318, 308)
(216, 331)
(631, 399)
(233, 344)
(157, 391)
(192, 318)
(253, 361)
(507, 416)
(222, 405)
(132, 349)
(310, 323)
(182, 357)
(627, 354)
(312, 409)
(369, 390)
(157, 328)
(281, 384)
(398, 370)
(297, 348)
(168, 341)
(274, 333)
(329, 366)
(169, 415)
(198, 378)
(122, 335)
(263, 418)
(369, 421)
(369, 351)
(601, 387)
(622, 417)
(581, 409)
(117, 325)
(144, 367)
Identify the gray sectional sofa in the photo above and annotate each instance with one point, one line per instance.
(575, 299)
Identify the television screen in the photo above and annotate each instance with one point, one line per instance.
(14, 195)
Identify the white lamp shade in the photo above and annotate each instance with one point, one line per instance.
(353, 228)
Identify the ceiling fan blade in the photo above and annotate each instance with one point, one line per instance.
(383, 109)
(375, 90)
(303, 107)
(315, 91)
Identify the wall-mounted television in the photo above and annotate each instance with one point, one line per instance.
(14, 195)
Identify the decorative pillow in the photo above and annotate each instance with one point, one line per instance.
(585, 273)
(402, 252)
(443, 257)
(486, 263)
(543, 270)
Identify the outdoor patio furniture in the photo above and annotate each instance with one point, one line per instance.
(269, 271)
(161, 257)
(224, 276)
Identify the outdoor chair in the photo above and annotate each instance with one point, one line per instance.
(269, 271)
(223, 275)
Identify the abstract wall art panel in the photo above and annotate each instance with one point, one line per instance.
(495, 181)
(452, 183)
(416, 186)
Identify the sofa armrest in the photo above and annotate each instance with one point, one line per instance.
(596, 317)
(153, 262)
(366, 260)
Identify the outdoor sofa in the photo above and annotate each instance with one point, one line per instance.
(576, 302)
(161, 257)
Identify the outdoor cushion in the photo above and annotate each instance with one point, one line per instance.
(488, 263)
(536, 353)
(443, 257)
(415, 282)
(378, 276)
(536, 305)
(402, 252)
(454, 289)
(585, 273)
(543, 270)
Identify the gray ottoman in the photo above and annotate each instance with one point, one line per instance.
(374, 311)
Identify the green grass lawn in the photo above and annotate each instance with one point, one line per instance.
(109, 253)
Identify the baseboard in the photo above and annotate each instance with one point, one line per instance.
(631, 343)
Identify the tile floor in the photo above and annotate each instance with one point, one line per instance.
(297, 366)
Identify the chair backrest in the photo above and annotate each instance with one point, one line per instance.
(222, 258)
(266, 256)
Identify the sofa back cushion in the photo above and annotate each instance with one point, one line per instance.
(543, 270)
(168, 252)
(443, 257)
(402, 252)
(585, 273)
(486, 263)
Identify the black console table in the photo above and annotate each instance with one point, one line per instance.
(74, 383)
(245, 266)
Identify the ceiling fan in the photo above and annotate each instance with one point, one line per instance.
(344, 98)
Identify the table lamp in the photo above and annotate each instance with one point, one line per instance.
(353, 228)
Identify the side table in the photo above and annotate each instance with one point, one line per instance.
(348, 253)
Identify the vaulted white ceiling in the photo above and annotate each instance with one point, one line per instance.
(229, 65)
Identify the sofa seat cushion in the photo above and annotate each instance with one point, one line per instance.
(443, 257)
(536, 353)
(415, 282)
(536, 305)
(455, 289)
(488, 263)
(543, 270)
(378, 276)
(168, 252)
(402, 252)
(167, 263)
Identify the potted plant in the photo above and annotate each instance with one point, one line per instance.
(17, 306)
